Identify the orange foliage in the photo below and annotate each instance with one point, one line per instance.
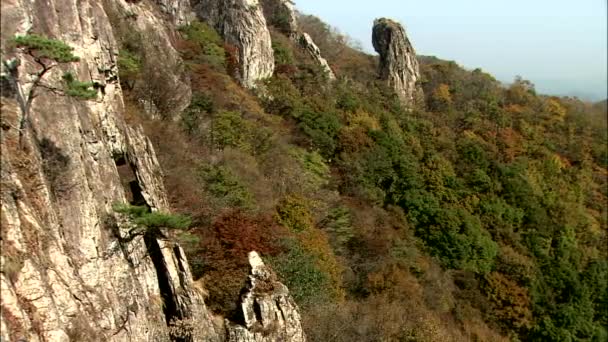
(393, 281)
(512, 143)
(354, 139)
(316, 242)
(510, 302)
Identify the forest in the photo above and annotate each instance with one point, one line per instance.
(480, 214)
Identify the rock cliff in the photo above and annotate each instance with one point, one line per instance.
(70, 268)
(282, 15)
(398, 63)
(242, 24)
(313, 50)
(269, 313)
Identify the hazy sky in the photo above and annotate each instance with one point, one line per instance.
(560, 45)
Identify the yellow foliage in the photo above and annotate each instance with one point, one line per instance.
(363, 119)
(442, 94)
(510, 301)
(294, 213)
(555, 110)
(515, 108)
(316, 242)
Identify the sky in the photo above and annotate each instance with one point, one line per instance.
(559, 45)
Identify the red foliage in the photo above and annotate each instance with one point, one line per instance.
(232, 59)
(188, 49)
(224, 248)
(286, 69)
(238, 234)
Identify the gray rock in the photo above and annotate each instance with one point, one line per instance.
(71, 271)
(269, 312)
(242, 24)
(282, 15)
(313, 50)
(179, 11)
(398, 63)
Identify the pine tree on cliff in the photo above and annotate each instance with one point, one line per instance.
(46, 53)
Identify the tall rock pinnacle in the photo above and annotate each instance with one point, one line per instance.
(398, 64)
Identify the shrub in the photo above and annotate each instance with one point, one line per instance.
(510, 302)
(43, 47)
(284, 98)
(322, 128)
(142, 217)
(79, 89)
(227, 189)
(282, 54)
(230, 129)
(314, 168)
(293, 212)
(129, 67)
(199, 105)
(299, 271)
(338, 224)
(207, 41)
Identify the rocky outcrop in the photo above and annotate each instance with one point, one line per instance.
(398, 63)
(309, 46)
(71, 271)
(242, 24)
(151, 29)
(179, 11)
(269, 313)
(282, 15)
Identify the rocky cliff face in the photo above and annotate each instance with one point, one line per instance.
(152, 28)
(398, 63)
(71, 268)
(242, 24)
(269, 313)
(282, 15)
(313, 50)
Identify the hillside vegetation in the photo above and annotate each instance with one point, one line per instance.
(479, 215)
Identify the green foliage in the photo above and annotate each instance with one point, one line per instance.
(315, 170)
(298, 269)
(43, 47)
(230, 129)
(141, 216)
(339, 225)
(206, 41)
(282, 54)
(81, 90)
(129, 67)
(322, 128)
(294, 213)
(200, 105)
(285, 99)
(221, 183)
(453, 235)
